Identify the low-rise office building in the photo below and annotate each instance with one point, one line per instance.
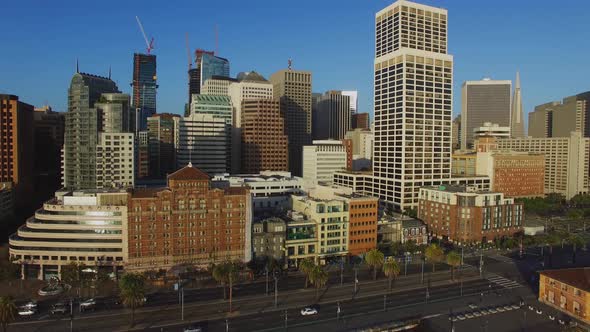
(321, 160)
(88, 227)
(465, 214)
(402, 230)
(567, 290)
(271, 191)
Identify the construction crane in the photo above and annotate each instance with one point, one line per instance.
(149, 44)
(188, 53)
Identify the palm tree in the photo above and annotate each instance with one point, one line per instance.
(8, 311)
(319, 278)
(221, 274)
(391, 270)
(454, 260)
(306, 266)
(232, 276)
(132, 292)
(375, 260)
(434, 254)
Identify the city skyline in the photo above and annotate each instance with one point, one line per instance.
(491, 52)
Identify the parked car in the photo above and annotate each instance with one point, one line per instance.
(59, 309)
(193, 329)
(30, 305)
(89, 304)
(309, 311)
(23, 311)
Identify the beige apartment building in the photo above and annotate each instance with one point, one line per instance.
(566, 161)
(88, 227)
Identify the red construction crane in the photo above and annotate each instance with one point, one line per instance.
(150, 44)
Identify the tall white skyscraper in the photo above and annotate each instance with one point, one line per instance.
(517, 115)
(413, 106)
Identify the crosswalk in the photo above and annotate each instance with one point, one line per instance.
(506, 283)
(502, 258)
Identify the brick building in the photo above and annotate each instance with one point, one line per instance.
(17, 145)
(567, 290)
(362, 227)
(264, 142)
(188, 222)
(464, 214)
(360, 120)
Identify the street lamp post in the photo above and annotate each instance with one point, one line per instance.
(338, 311)
(406, 264)
(276, 277)
(385, 302)
(226, 325)
(181, 303)
(266, 272)
(422, 278)
(286, 318)
(341, 271)
(356, 280)
(71, 315)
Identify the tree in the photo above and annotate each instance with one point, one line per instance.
(8, 311)
(306, 266)
(396, 248)
(132, 292)
(410, 246)
(434, 254)
(71, 274)
(319, 278)
(374, 259)
(575, 214)
(453, 260)
(233, 273)
(391, 270)
(221, 274)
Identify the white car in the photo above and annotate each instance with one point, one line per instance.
(539, 311)
(193, 329)
(22, 311)
(461, 317)
(88, 305)
(30, 305)
(309, 311)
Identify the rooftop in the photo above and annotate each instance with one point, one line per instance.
(211, 99)
(577, 277)
(455, 188)
(188, 173)
(251, 76)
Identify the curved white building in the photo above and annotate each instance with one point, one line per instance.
(88, 227)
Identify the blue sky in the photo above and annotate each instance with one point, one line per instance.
(40, 41)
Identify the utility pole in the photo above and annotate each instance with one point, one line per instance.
(338, 311)
(385, 302)
(481, 263)
(406, 265)
(226, 325)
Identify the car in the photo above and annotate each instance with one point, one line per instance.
(477, 313)
(461, 317)
(500, 308)
(531, 308)
(89, 304)
(515, 306)
(492, 310)
(307, 311)
(469, 315)
(30, 305)
(507, 307)
(551, 317)
(193, 329)
(539, 311)
(472, 305)
(23, 311)
(485, 311)
(561, 321)
(59, 309)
